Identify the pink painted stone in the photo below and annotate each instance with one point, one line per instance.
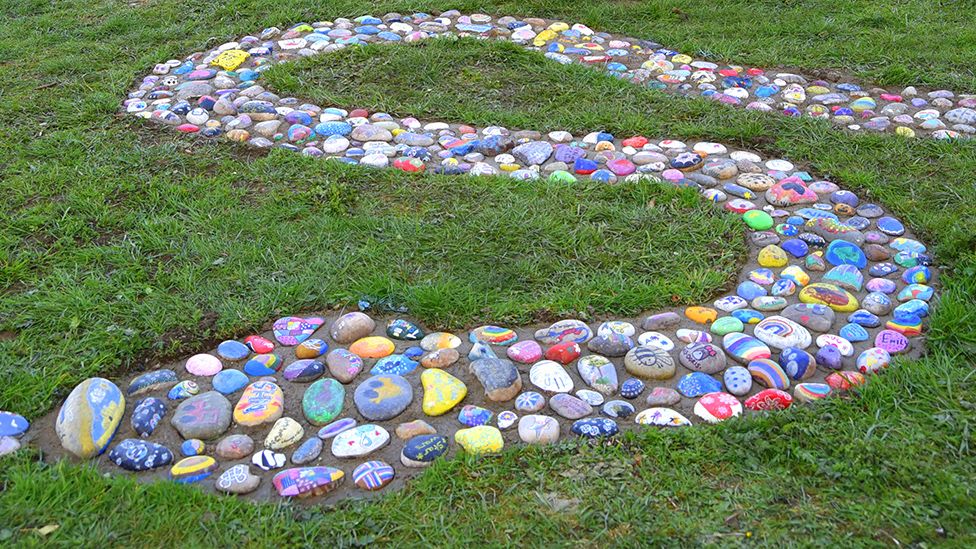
(203, 365)
(891, 341)
(525, 352)
(621, 166)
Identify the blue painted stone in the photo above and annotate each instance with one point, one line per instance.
(229, 381)
(90, 416)
(783, 287)
(748, 316)
(797, 363)
(738, 380)
(133, 454)
(864, 318)
(913, 307)
(326, 129)
(336, 427)
(845, 276)
(473, 416)
(183, 389)
(603, 176)
(304, 370)
(422, 450)
(795, 247)
(749, 290)
(841, 252)
(192, 447)
(262, 365)
(632, 388)
(12, 425)
(890, 226)
(147, 414)
(480, 351)
(829, 357)
(585, 165)
(883, 269)
(232, 350)
(697, 384)
(907, 245)
(383, 397)
(150, 381)
(853, 333)
(858, 222)
(308, 451)
(414, 352)
(844, 197)
(394, 364)
(595, 427)
(919, 274)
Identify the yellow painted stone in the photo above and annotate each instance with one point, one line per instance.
(904, 131)
(772, 256)
(480, 440)
(681, 58)
(373, 347)
(238, 135)
(830, 295)
(397, 131)
(701, 315)
(261, 402)
(797, 274)
(543, 37)
(285, 432)
(442, 391)
(187, 469)
(508, 167)
(817, 90)
(558, 26)
(604, 146)
(230, 59)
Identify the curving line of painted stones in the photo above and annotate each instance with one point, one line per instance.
(219, 93)
(833, 288)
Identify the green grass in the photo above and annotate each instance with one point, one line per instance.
(122, 242)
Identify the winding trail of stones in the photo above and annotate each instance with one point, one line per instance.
(832, 289)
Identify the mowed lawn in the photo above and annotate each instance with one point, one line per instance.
(122, 243)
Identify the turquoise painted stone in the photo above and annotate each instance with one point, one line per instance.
(89, 417)
(323, 400)
(846, 276)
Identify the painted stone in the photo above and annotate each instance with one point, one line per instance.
(550, 377)
(701, 315)
(632, 388)
(193, 469)
(594, 427)
(258, 344)
(599, 373)
(262, 365)
(565, 330)
(303, 371)
(846, 276)
(322, 401)
(780, 332)
(238, 480)
(410, 429)
(892, 341)
(481, 351)
(738, 380)
(183, 389)
(768, 373)
(422, 450)
(442, 391)
(797, 363)
(308, 451)
(845, 347)
(228, 382)
(89, 417)
(649, 362)
(538, 429)
(500, 378)
(372, 475)
(661, 417)
(726, 325)
(234, 447)
(311, 348)
(697, 384)
(831, 295)
(845, 380)
(611, 344)
(383, 397)
(873, 360)
(261, 402)
(336, 427)
(717, 407)
(396, 364)
(343, 365)
(662, 396)
(152, 381)
(351, 327)
(439, 340)
(841, 252)
(529, 401)
(359, 441)
(232, 350)
(203, 365)
(303, 482)
(493, 335)
(592, 398)
(204, 416)
(768, 400)
(292, 330)
(133, 454)
(8, 445)
(564, 353)
(506, 419)
(661, 321)
(372, 347)
(268, 460)
(192, 447)
(745, 348)
(473, 416)
(810, 392)
(618, 409)
(816, 317)
(481, 440)
(693, 336)
(440, 358)
(146, 415)
(569, 406)
(403, 329)
(656, 339)
(525, 352)
(703, 357)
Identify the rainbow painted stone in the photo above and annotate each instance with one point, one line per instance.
(292, 330)
(744, 348)
(493, 335)
(768, 373)
(304, 482)
(809, 392)
(89, 417)
(372, 475)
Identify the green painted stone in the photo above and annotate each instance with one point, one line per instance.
(561, 176)
(726, 325)
(758, 220)
(323, 400)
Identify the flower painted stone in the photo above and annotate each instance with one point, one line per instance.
(292, 330)
(323, 401)
(360, 441)
(480, 440)
(372, 475)
(442, 391)
(383, 397)
(661, 417)
(717, 407)
(261, 402)
(303, 482)
(140, 455)
(873, 360)
(146, 415)
(769, 399)
(594, 427)
(89, 417)
(422, 450)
